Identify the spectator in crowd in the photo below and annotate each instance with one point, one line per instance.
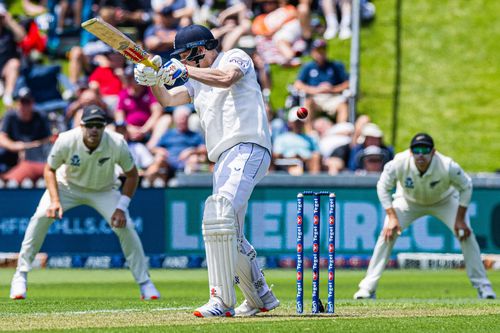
(159, 36)
(182, 10)
(233, 23)
(334, 145)
(332, 23)
(11, 33)
(296, 150)
(24, 133)
(107, 77)
(138, 107)
(65, 8)
(143, 158)
(372, 159)
(85, 97)
(279, 23)
(323, 82)
(179, 149)
(427, 183)
(371, 135)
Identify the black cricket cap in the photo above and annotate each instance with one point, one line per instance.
(193, 36)
(94, 114)
(422, 140)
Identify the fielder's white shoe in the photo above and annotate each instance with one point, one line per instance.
(486, 292)
(149, 291)
(19, 285)
(246, 309)
(214, 308)
(364, 294)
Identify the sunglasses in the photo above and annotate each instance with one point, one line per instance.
(94, 125)
(421, 150)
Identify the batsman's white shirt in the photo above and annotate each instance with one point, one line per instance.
(443, 178)
(90, 171)
(229, 116)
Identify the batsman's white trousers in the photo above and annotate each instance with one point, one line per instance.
(236, 173)
(104, 203)
(407, 212)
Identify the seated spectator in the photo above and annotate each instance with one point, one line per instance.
(143, 158)
(11, 33)
(295, 150)
(182, 11)
(278, 23)
(332, 23)
(107, 78)
(85, 97)
(24, 133)
(233, 22)
(323, 82)
(179, 149)
(138, 107)
(371, 135)
(65, 8)
(372, 159)
(159, 37)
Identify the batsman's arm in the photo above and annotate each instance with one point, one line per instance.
(220, 78)
(173, 97)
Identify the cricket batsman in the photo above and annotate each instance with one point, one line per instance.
(228, 99)
(81, 171)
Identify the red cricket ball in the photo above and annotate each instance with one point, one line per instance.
(302, 113)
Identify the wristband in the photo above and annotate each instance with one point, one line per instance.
(123, 203)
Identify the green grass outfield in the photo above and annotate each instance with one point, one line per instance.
(108, 300)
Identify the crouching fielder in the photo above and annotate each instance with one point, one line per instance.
(428, 183)
(228, 99)
(85, 160)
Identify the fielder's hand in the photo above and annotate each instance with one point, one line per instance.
(171, 71)
(462, 230)
(55, 210)
(118, 219)
(147, 76)
(392, 229)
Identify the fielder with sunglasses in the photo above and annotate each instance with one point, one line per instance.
(427, 183)
(224, 90)
(81, 171)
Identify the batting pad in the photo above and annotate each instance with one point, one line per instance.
(219, 234)
(250, 276)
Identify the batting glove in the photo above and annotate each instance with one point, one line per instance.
(147, 76)
(171, 71)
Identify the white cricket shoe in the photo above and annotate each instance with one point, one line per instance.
(149, 291)
(485, 291)
(214, 308)
(330, 32)
(246, 309)
(19, 285)
(364, 294)
(345, 33)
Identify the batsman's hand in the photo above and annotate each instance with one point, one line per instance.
(171, 71)
(147, 76)
(392, 229)
(118, 219)
(55, 210)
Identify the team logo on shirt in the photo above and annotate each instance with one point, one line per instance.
(434, 183)
(101, 161)
(409, 183)
(75, 160)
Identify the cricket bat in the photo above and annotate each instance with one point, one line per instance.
(118, 41)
